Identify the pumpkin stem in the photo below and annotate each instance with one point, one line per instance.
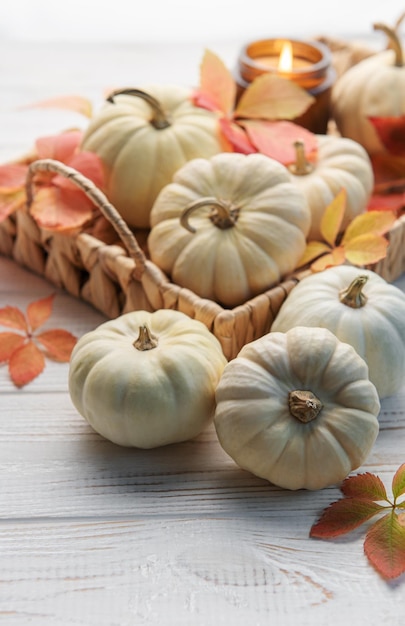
(394, 42)
(223, 213)
(145, 341)
(304, 405)
(159, 118)
(353, 295)
(301, 167)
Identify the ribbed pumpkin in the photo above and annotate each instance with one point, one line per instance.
(143, 138)
(229, 227)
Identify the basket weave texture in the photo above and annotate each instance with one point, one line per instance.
(114, 282)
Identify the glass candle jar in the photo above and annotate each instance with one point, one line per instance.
(309, 66)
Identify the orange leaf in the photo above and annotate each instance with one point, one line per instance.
(384, 546)
(366, 249)
(336, 257)
(236, 136)
(332, 218)
(313, 250)
(70, 103)
(365, 485)
(391, 131)
(375, 222)
(10, 203)
(398, 482)
(217, 84)
(12, 177)
(88, 164)
(276, 139)
(26, 363)
(271, 97)
(12, 317)
(9, 342)
(39, 311)
(61, 209)
(59, 147)
(343, 516)
(58, 344)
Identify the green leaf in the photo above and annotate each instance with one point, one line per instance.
(367, 486)
(343, 516)
(384, 546)
(398, 482)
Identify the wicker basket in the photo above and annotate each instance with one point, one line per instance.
(117, 279)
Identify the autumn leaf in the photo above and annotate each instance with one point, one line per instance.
(217, 89)
(77, 104)
(384, 544)
(276, 139)
(24, 350)
(331, 223)
(391, 132)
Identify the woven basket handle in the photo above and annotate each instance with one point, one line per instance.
(97, 197)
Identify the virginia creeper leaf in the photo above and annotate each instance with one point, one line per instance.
(217, 84)
(26, 363)
(270, 97)
(58, 344)
(367, 485)
(12, 317)
(335, 257)
(376, 222)
(77, 104)
(276, 139)
(313, 250)
(384, 546)
(391, 131)
(8, 343)
(236, 136)
(398, 482)
(332, 218)
(343, 516)
(39, 311)
(366, 249)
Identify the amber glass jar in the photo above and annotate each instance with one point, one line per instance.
(311, 69)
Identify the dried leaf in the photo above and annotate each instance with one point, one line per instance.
(313, 250)
(343, 516)
(331, 223)
(9, 203)
(372, 222)
(61, 209)
(387, 202)
(60, 147)
(12, 177)
(88, 164)
(335, 257)
(236, 136)
(217, 86)
(270, 97)
(384, 546)
(58, 344)
(12, 317)
(368, 486)
(391, 131)
(366, 249)
(39, 311)
(9, 342)
(26, 363)
(398, 482)
(387, 168)
(76, 104)
(276, 139)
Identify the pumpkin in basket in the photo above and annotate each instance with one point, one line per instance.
(147, 379)
(229, 227)
(143, 138)
(362, 309)
(340, 163)
(297, 409)
(375, 87)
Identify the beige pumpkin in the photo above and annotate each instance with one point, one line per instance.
(340, 163)
(143, 138)
(229, 227)
(375, 87)
(147, 379)
(360, 308)
(297, 409)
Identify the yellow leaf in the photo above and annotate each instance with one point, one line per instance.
(332, 218)
(377, 222)
(335, 257)
(312, 251)
(366, 249)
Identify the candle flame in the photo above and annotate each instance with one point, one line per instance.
(285, 62)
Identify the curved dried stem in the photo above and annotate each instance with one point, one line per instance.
(159, 118)
(223, 214)
(97, 197)
(394, 42)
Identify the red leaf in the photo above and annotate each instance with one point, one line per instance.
(39, 311)
(384, 546)
(386, 202)
(9, 342)
(12, 177)
(276, 139)
(343, 516)
(59, 147)
(391, 131)
(366, 486)
(236, 136)
(387, 168)
(217, 85)
(61, 209)
(88, 164)
(26, 363)
(12, 317)
(398, 482)
(204, 101)
(58, 344)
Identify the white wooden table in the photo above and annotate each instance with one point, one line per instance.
(96, 535)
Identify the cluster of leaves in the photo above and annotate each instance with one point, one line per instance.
(259, 120)
(58, 204)
(384, 544)
(362, 243)
(23, 348)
